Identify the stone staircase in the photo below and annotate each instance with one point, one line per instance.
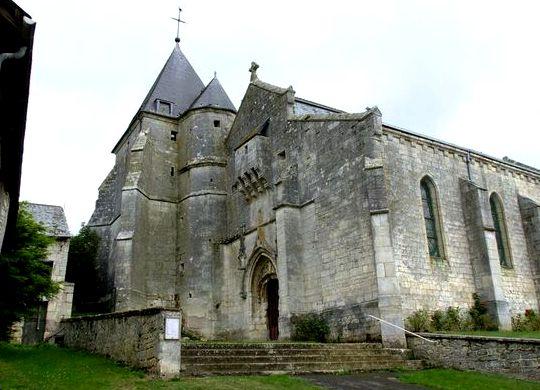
(215, 358)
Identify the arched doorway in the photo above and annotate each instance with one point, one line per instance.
(265, 299)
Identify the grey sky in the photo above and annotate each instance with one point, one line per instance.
(466, 72)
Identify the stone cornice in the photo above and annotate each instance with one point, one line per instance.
(480, 158)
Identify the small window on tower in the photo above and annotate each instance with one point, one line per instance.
(163, 107)
(217, 123)
(172, 171)
(173, 135)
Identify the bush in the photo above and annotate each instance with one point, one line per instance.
(451, 320)
(309, 327)
(530, 321)
(419, 321)
(454, 319)
(82, 270)
(437, 320)
(480, 318)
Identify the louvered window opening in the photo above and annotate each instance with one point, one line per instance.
(430, 219)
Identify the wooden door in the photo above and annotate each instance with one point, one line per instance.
(272, 312)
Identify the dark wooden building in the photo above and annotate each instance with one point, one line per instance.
(16, 41)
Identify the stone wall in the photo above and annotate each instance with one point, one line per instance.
(510, 356)
(136, 338)
(431, 283)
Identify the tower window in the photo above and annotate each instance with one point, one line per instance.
(217, 123)
(432, 221)
(163, 107)
(172, 171)
(501, 235)
(264, 128)
(173, 135)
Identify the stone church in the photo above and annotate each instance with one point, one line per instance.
(244, 217)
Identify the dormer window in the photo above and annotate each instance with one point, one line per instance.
(163, 107)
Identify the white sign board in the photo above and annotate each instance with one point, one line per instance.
(172, 328)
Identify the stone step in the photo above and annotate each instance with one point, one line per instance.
(278, 346)
(288, 358)
(289, 352)
(296, 367)
(214, 358)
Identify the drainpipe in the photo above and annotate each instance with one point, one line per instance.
(17, 55)
(468, 160)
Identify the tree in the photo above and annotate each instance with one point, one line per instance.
(81, 269)
(25, 279)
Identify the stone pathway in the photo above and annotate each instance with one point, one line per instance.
(367, 381)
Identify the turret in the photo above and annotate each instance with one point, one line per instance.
(202, 203)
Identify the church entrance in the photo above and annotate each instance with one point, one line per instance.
(264, 299)
(272, 311)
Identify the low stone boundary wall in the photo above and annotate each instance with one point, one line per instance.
(137, 338)
(509, 356)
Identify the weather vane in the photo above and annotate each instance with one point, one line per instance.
(177, 39)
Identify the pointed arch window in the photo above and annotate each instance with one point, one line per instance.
(501, 235)
(432, 221)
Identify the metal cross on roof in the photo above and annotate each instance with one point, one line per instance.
(177, 39)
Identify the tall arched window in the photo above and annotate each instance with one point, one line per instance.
(501, 235)
(431, 218)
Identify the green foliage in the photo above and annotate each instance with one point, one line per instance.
(81, 268)
(470, 380)
(453, 319)
(504, 333)
(309, 327)
(528, 322)
(480, 318)
(437, 320)
(419, 321)
(25, 278)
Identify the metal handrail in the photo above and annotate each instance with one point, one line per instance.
(399, 327)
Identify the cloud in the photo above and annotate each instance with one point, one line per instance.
(465, 72)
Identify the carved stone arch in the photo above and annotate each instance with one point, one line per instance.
(260, 287)
(259, 254)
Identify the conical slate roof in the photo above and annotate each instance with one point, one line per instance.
(214, 96)
(177, 83)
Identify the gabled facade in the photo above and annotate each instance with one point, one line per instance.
(42, 323)
(244, 219)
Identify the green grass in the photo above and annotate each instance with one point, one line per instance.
(49, 367)
(534, 334)
(453, 379)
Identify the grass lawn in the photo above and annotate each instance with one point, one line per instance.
(501, 333)
(453, 379)
(49, 367)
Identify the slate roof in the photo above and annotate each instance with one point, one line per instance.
(304, 106)
(52, 217)
(177, 83)
(214, 96)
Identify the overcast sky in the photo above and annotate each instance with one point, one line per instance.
(467, 72)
